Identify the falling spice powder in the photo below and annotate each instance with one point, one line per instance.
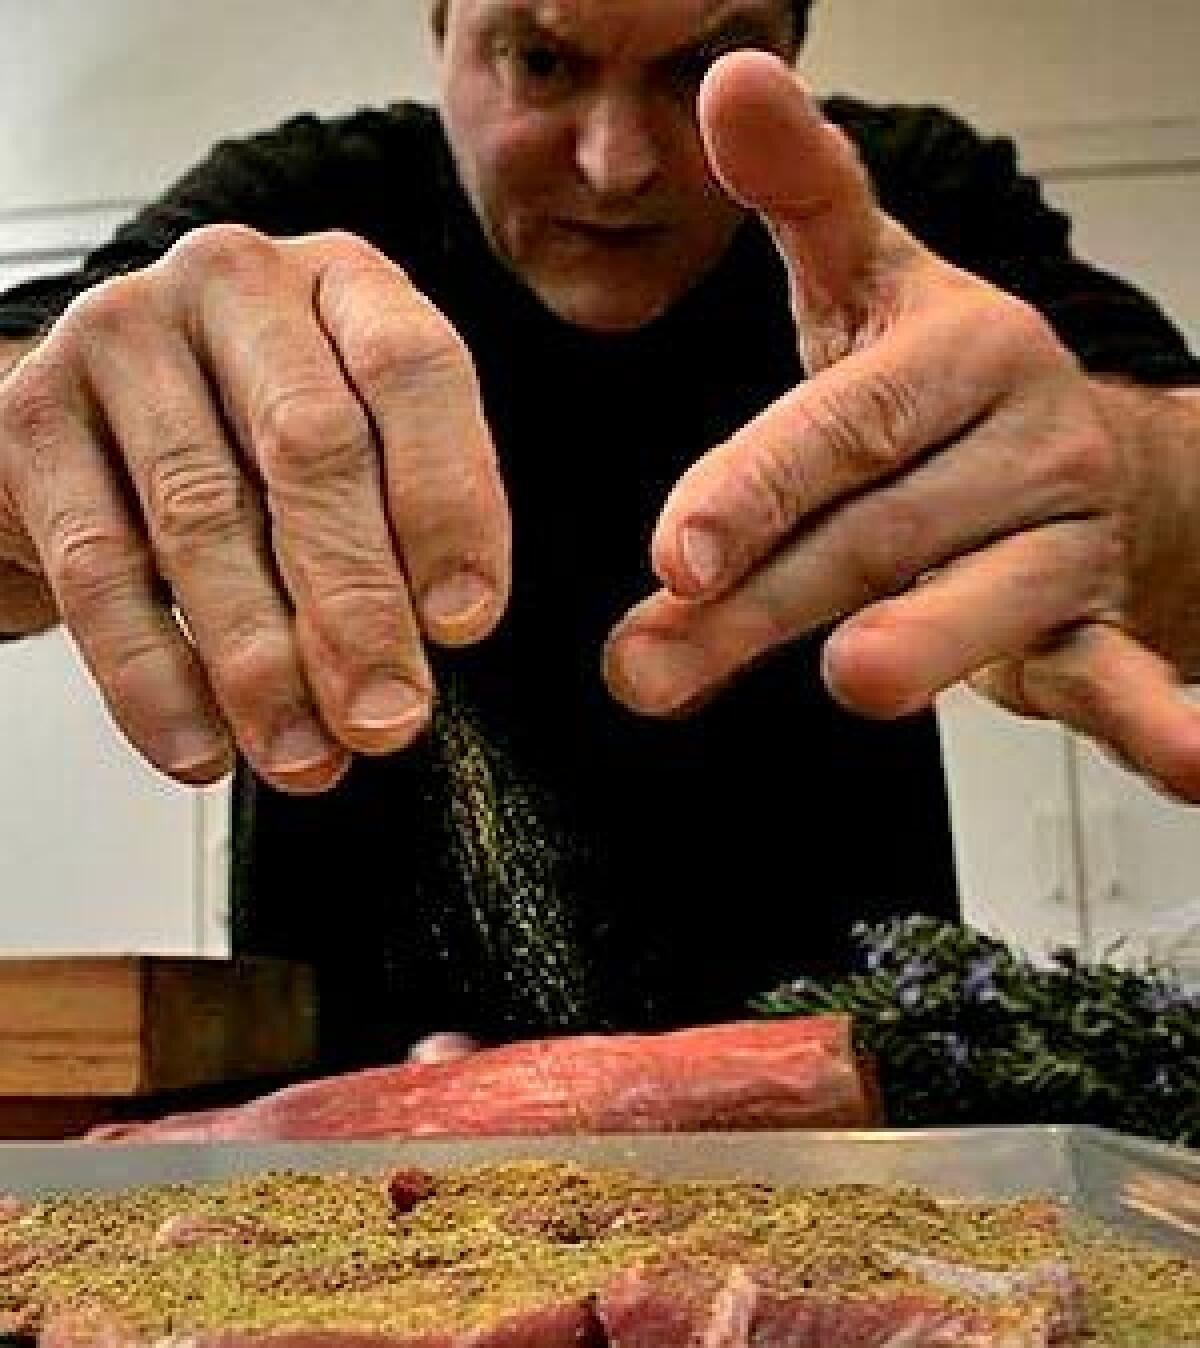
(511, 865)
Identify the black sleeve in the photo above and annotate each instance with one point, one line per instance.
(304, 176)
(964, 197)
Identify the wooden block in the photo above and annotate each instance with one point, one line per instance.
(141, 1025)
(37, 1119)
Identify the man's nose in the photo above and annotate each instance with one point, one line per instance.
(616, 150)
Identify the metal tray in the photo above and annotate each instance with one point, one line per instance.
(1144, 1189)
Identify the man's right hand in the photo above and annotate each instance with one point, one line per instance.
(253, 480)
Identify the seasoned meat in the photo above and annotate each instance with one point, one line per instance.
(543, 1255)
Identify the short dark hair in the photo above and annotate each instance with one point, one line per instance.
(800, 12)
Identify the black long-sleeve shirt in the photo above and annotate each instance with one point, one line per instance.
(646, 873)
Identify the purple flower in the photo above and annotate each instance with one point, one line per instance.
(1164, 1081)
(879, 946)
(980, 983)
(1160, 998)
(911, 995)
(957, 1048)
(917, 969)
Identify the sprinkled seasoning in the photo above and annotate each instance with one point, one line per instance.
(488, 1242)
(511, 870)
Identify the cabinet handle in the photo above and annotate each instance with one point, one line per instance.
(1052, 854)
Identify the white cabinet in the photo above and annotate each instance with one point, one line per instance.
(1015, 826)
(1141, 871)
(98, 853)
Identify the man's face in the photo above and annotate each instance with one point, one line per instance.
(574, 129)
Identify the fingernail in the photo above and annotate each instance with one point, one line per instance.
(654, 674)
(702, 553)
(194, 750)
(300, 747)
(457, 599)
(387, 703)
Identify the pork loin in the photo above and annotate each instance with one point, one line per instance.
(800, 1073)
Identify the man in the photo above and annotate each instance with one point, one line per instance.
(238, 416)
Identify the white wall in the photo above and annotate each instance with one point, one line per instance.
(1101, 96)
(104, 100)
(1025, 66)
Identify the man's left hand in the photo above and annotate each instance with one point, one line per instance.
(949, 485)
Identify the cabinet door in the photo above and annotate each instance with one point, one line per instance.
(98, 853)
(1140, 869)
(1015, 834)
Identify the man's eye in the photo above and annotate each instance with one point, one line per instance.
(688, 71)
(535, 67)
(541, 63)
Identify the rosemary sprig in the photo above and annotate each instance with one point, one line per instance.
(967, 1030)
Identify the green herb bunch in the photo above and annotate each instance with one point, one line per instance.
(966, 1030)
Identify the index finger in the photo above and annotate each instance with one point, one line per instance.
(863, 421)
(445, 498)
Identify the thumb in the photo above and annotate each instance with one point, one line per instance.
(772, 150)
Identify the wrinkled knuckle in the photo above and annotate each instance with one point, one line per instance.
(310, 433)
(1086, 461)
(431, 348)
(865, 427)
(365, 602)
(192, 498)
(106, 311)
(890, 406)
(1029, 333)
(87, 561)
(1111, 553)
(349, 250)
(775, 482)
(1097, 555)
(249, 662)
(124, 680)
(890, 545)
(359, 618)
(226, 251)
(374, 352)
(31, 409)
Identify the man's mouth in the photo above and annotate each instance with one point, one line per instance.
(613, 235)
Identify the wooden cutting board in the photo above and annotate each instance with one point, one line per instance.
(135, 1026)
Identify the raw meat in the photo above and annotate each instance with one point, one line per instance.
(799, 1073)
(536, 1255)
